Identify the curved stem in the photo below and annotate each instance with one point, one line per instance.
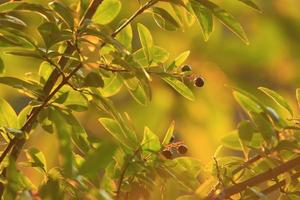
(270, 174)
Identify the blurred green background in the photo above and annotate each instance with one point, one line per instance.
(272, 59)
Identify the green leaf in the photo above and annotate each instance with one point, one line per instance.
(107, 11)
(2, 67)
(17, 181)
(179, 60)
(146, 41)
(29, 7)
(14, 41)
(52, 189)
(150, 141)
(45, 71)
(75, 100)
(228, 20)
(52, 35)
(37, 159)
(232, 141)
(204, 16)
(64, 132)
(277, 98)
(32, 54)
(185, 171)
(139, 90)
(97, 160)
(169, 134)
(27, 87)
(64, 12)
(93, 79)
(164, 20)
(125, 37)
(8, 117)
(251, 4)
(264, 127)
(112, 85)
(159, 55)
(79, 135)
(246, 103)
(12, 22)
(113, 127)
(245, 130)
(179, 87)
(298, 96)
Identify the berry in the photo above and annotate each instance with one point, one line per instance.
(167, 153)
(182, 149)
(186, 68)
(199, 81)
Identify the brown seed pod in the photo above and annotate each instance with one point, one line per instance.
(182, 149)
(167, 153)
(199, 81)
(186, 68)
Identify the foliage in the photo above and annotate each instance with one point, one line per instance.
(84, 65)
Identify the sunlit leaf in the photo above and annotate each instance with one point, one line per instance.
(277, 98)
(150, 141)
(64, 12)
(204, 16)
(97, 160)
(8, 117)
(107, 11)
(232, 141)
(247, 103)
(112, 85)
(164, 20)
(264, 127)
(29, 7)
(159, 55)
(2, 67)
(180, 87)
(93, 79)
(228, 20)
(178, 60)
(251, 4)
(146, 41)
(64, 132)
(52, 35)
(115, 130)
(168, 134)
(245, 130)
(37, 159)
(125, 37)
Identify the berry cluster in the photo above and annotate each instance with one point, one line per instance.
(197, 80)
(174, 148)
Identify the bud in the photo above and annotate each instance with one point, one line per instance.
(182, 149)
(199, 81)
(186, 68)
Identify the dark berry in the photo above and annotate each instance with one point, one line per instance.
(199, 81)
(167, 153)
(172, 139)
(186, 68)
(182, 149)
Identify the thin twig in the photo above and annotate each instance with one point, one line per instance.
(237, 188)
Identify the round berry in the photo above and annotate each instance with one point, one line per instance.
(182, 149)
(199, 81)
(167, 153)
(186, 68)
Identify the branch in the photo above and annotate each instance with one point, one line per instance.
(239, 187)
(137, 13)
